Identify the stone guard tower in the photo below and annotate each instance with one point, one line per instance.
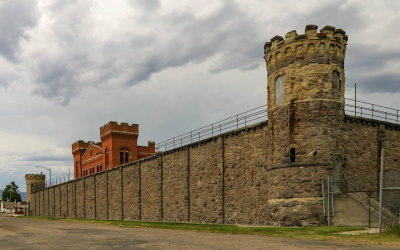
(305, 119)
(31, 181)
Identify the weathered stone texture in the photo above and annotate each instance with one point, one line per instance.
(131, 192)
(80, 198)
(174, 178)
(64, 199)
(114, 194)
(71, 200)
(46, 203)
(89, 197)
(101, 195)
(150, 190)
(56, 202)
(245, 180)
(205, 176)
(362, 153)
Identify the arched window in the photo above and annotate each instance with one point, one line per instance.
(279, 89)
(292, 155)
(124, 155)
(107, 158)
(335, 85)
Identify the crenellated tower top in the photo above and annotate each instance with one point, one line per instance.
(291, 74)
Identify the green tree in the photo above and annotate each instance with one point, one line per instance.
(13, 189)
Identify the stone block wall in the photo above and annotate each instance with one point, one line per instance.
(231, 178)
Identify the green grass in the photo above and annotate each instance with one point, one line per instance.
(390, 236)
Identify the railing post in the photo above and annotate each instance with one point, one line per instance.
(220, 129)
(173, 140)
(361, 112)
(181, 141)
(191, 136)
(385, 116)
(245, 120)
(237, 121)
(372, 111)
(397, 116)
(212, 129)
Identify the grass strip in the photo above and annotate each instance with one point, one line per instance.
(323, 233)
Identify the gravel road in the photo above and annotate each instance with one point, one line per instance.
(23, 233)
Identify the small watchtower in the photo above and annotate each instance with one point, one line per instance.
(305, 112)
(33, 180)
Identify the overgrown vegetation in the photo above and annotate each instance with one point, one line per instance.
(390, 236)
(394, 229)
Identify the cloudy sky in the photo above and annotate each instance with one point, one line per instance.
(68, 67)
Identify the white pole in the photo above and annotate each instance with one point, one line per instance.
(381, 189)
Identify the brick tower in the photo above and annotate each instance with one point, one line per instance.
(305, 117)
(31, 181)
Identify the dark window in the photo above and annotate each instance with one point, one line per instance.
(336, 85)
(107, 158)
(292, 155)
(77, 169)
(126, 157)
(123, 155)
(101, 167)
(279, 90)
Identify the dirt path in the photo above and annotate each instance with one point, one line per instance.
(20, 233)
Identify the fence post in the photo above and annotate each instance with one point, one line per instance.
(212, 129)
(329, 203)
(122, 193)
(94, 194)
(139, 179)
(381, 189)
(84, 197)
(372, 111)
(237, 121)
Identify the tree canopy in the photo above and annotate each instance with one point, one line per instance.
(12, 189)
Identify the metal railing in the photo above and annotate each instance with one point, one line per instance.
(393, 205)
(59, 179)
(352, 107)
(249, 117)
(372, 111)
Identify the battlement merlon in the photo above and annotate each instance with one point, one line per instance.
(123, 127)
(79, 145)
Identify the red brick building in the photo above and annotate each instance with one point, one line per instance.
(118, 146)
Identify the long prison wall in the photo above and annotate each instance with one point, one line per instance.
(225, 179)
(363, 141)
(217, 180)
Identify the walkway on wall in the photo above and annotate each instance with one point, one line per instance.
(352, 107)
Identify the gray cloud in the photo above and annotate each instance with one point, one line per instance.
(135, 57)
(16, 17)
(370, 67)
(47, 158)
(148, 5)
